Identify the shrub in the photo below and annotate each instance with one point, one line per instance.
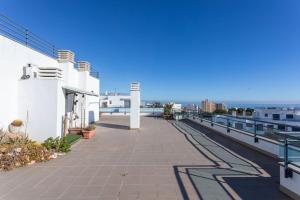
(17, 123)
(220, 111)
(64, 146)
(90, 128)
(57, 144)
(20, 154)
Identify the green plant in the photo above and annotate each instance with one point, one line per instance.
(231, 110)
(240, 111)
(168, 111)
(220, 111)
(249, 111)
(71, 138)
(64, 146)
(57, 144)
(90, 128)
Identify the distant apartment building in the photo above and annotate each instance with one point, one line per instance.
(114, 100)
(220, 106)
(177, 107)
(208, 106)
(277, 114)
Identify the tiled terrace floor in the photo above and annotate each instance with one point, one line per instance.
(116, 164)
(156, 162)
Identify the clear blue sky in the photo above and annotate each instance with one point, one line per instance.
(179, 50)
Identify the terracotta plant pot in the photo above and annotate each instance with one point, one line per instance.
(75, 131)
(88, 134)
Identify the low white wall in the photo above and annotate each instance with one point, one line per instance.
(266, 145)
(290, 186)
(93, 109)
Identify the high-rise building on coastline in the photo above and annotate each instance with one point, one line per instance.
(209, 106)
(220, 106)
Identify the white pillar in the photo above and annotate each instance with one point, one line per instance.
(135, 106)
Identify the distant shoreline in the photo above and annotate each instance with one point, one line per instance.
(242, 104)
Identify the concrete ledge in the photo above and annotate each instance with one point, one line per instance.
(288, 192)
(290, 186)
(249, 145)
(264, 145)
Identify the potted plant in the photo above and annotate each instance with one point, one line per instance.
(168, 111)
(15, 126)
(75, 131)
(89, 131)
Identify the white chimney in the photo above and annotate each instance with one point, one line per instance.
(135, 106)
(83, 66)
(66, 56)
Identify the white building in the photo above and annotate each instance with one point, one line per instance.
(46, 92)
(114, 100)
(277, 114)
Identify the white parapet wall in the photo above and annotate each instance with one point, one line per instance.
(135, 106)
(265, 145)
(290, 185)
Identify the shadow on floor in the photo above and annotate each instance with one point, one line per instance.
(259, 188)
(116, 126)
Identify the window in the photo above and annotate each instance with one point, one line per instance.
(269, 126)
(276, 117)
(266, 115)
(289, 116)
(281, 127)
(259, 127)
(110, 102)
(249, 125)
(294, 128)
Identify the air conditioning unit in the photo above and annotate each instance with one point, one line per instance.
(30, 71)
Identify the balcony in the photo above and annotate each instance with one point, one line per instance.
(184, 159)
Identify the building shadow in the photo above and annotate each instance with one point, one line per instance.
(114, 126)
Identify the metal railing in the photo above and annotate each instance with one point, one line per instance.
(94, 73)
(127, 110)
(288, 140)
(15, 31)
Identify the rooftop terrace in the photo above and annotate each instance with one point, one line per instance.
(162, 160)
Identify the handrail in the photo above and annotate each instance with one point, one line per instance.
(289, 143)
(19, 33)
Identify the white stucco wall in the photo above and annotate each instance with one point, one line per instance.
(45, 107)
(44, 100)
(135, 109)
(13, 57)
(70, 74)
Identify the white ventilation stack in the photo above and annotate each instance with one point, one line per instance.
(66, 56)
(83, 66)
(135, 106)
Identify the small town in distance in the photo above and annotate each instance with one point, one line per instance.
(282, 118)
